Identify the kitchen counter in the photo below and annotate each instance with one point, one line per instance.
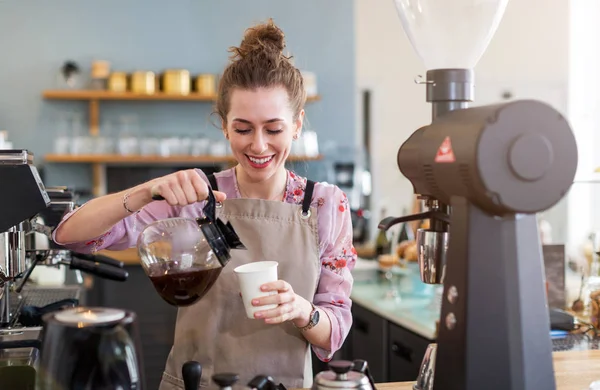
(416, 309)
(574, 370)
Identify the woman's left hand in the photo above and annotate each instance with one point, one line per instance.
(290, 306)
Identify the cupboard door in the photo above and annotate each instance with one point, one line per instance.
(405, 353)
(368, 339)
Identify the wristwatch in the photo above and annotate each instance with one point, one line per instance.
(314, 320)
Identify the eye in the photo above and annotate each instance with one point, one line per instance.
(273, 132)
(243, 131)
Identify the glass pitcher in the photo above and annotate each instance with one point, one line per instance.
(183, 257)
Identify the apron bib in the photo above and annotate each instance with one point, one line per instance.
(216, 332)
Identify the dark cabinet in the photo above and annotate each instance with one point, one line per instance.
(368, 340)
(405, 351)
(394, 354)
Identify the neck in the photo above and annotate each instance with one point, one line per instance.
(269, 189)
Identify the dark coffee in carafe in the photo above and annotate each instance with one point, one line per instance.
(183, 287)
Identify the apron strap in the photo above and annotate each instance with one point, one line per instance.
(213, 182)
(310, 186)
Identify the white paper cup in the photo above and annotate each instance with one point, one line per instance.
(251, 276)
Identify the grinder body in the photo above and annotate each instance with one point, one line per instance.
(517, 157)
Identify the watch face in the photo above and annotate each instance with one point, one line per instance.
(315, 318)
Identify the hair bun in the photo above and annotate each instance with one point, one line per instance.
(264, 38)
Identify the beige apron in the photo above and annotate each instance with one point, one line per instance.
(216, 332)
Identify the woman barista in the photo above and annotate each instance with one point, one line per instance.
(303, 225)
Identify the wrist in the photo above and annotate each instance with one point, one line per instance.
(304, 317)
(134, 199)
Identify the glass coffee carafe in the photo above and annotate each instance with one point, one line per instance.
(183, 257)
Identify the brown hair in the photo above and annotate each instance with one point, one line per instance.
(260, 62)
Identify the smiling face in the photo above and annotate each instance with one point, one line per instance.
(261, 127)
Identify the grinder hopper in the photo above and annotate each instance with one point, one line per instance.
(450, 36)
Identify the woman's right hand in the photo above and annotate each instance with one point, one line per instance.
(182, 188)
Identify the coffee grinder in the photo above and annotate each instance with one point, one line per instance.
(483, 173)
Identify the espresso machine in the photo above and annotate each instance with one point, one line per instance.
(483, 173)
(28, 208)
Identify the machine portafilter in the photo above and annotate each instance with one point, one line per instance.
(491, 168)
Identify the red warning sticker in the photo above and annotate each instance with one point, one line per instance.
(445, 153)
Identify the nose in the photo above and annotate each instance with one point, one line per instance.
(259, 143)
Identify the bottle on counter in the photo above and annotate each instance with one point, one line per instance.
(382, 243)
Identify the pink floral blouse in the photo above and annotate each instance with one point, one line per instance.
(334, 225)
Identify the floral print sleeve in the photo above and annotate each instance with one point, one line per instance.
(338, 258)
(124, 234)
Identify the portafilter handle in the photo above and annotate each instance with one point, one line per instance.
(431, 245)
(388, 222)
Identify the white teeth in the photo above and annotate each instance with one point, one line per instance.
(260, 160)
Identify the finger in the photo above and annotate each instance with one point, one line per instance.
(166, 193)
(220, 196)
(276, 299)
(178, 191)
(199, 185)
(278, 285)
(281, 313)
(189, 191)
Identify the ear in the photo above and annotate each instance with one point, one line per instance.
(224, 129)
(299, 123)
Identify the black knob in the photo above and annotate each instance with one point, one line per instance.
(225, 379)
(341, 366)
(261, 382)
(191, 373)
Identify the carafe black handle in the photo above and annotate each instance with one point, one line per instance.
(191, 372)
(210, 208)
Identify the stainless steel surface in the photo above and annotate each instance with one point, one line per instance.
(12, 265)
(326, 380)
(431, 253)
(13, 261)
(425, 378)
(13, 157)
(19, 356)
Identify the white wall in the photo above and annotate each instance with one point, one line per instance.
(584, 113)
(528, 56)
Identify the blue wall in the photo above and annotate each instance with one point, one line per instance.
(36, 37)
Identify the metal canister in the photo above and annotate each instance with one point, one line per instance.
(117, 82)
(205, 84)
(143, 82)
(176, 81)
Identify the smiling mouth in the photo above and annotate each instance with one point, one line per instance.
(260, 161)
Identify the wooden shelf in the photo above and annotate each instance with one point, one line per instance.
(93, 98)
(110, 95)
(119, 159)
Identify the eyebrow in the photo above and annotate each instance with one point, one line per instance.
(248, 122)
